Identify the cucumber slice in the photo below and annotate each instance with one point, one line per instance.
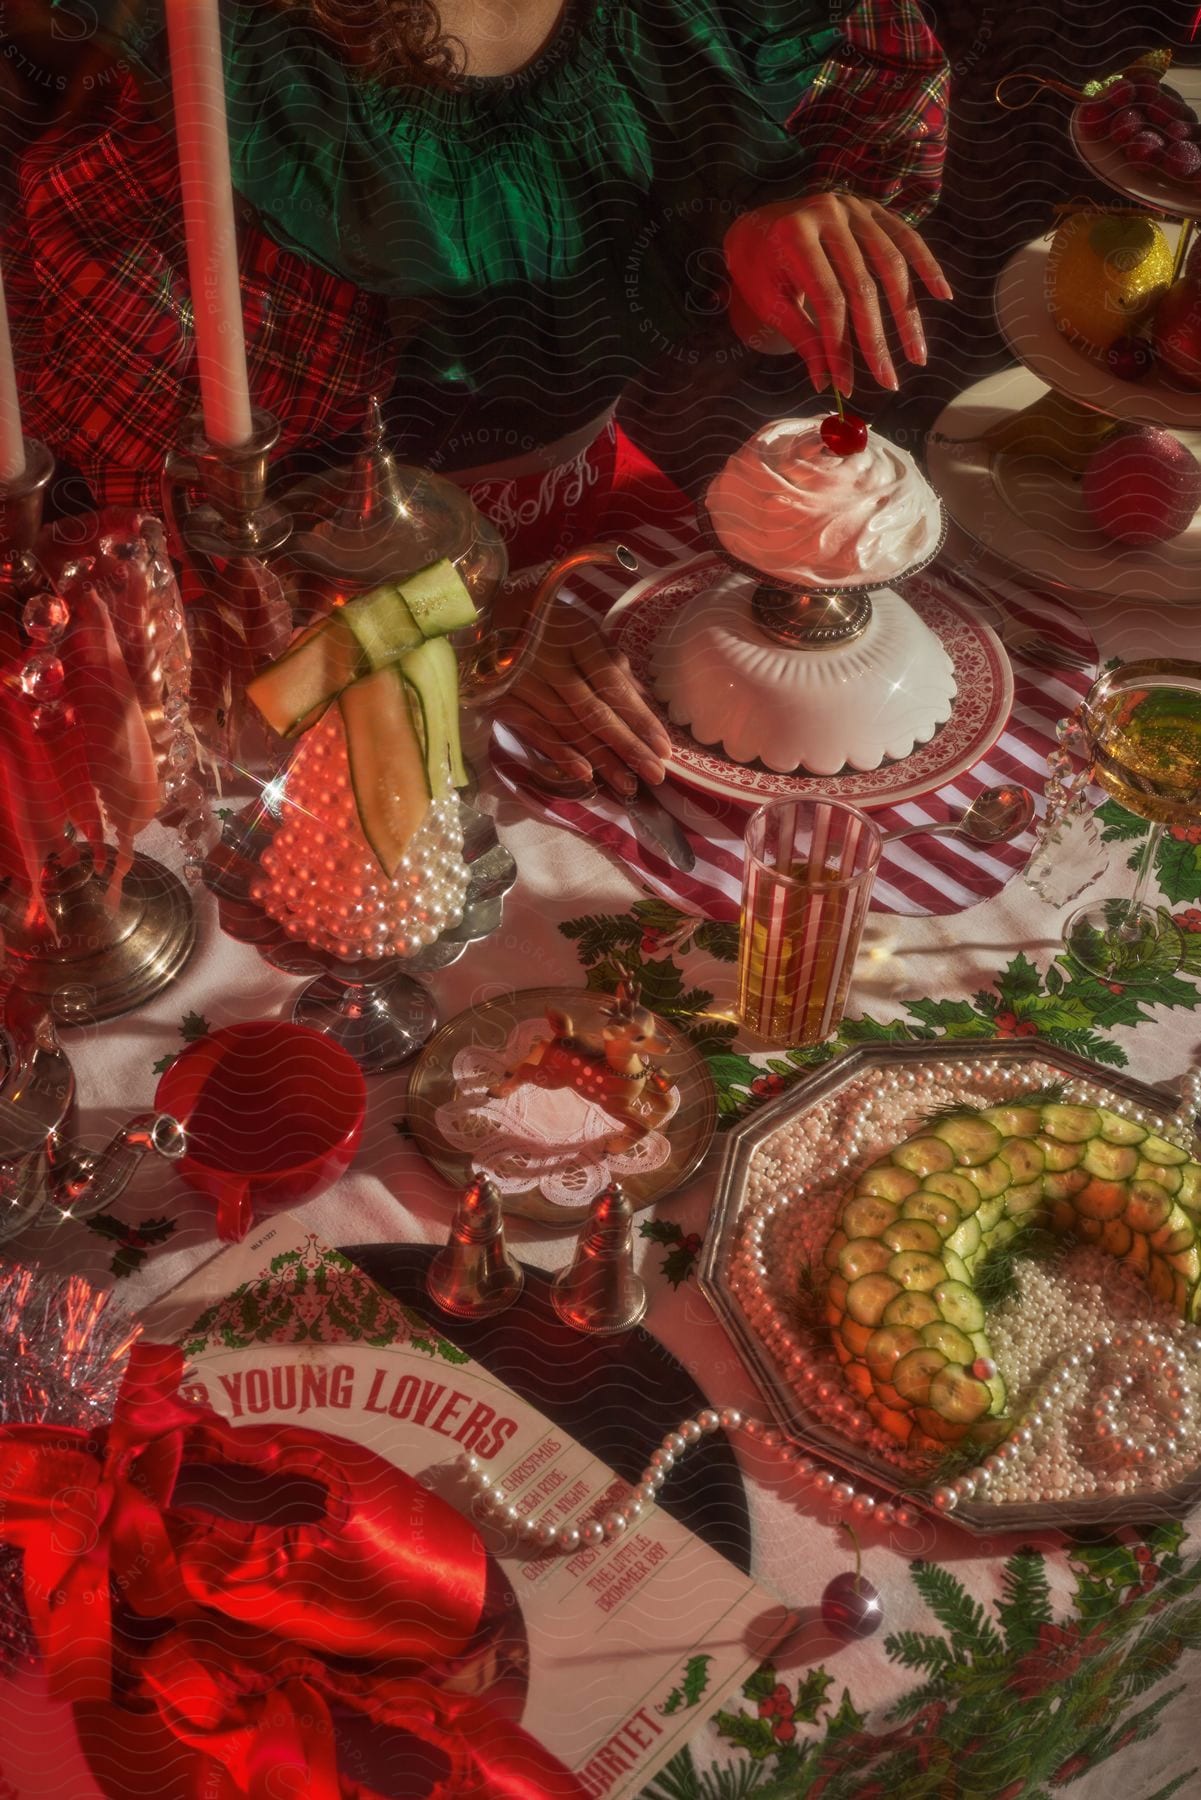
(913, 1375)
(1103, 1200)
(949, 1341)
(1024, 1157)
(1059, 1156)
(924, 1156)
(990, 1179)
(1014, 1121)
(998, 1395)
(1187, 1264)
(438, 600)
(1148, 1207)
(307, 676)
(867, 1297)
(1158, 1150)
(935, 1209)
(971, 1138)
(1021, 1202)
(830, 1255)
(958, 1397)
(1071, 1124)
(989, 1216)
(956, 1268)
(1168, 1178)
(959, 1306)
(966, 1239)
(387, 767)
(1066, 1185)
(432, 671)
(383, 625)
(867, 1215)
(1117, 1237)
(863, 1256)
(887, 1347)
(913, 1234)
(935, 1430)
(1117, 1130)
(1112, 1162)
(1189, 1191)
(958, 1188)
(1176, 1233)
(888, 1181)
(912, 1310)
(915, 1269)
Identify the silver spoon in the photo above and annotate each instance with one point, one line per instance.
(995, 816)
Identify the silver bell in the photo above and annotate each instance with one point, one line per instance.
(475, 1276)
(600, 1292)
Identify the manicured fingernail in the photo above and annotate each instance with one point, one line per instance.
(650, 769)
(917, 351)
(888, 376)
(945, 291)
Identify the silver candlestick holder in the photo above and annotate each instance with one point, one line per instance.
(234, 518)
(85, 952)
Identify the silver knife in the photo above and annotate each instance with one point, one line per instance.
(657, 829)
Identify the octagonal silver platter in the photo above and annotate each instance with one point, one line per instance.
(839, 1097)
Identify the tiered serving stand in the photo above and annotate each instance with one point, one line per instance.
(1023, 509)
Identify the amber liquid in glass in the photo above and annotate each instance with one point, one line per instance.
(1147, 750)
(797, 946)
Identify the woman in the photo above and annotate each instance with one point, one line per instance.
(497, 210)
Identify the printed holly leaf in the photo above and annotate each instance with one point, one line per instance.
(1020, 980)
(953, 1018)
(127, 1261)
(871, 1031)
(811, 1695)
(755, 1736)
(719, 939)
(105, 1225)
(1178, 869)
(1117, 824)
(154, 1231)
(847, 1718)
(692, 1687)
(661, 1231)
(164, 1062)
(678, 1265)
(762, 1683)
(660, 915)
(194, 1025)
(713, 1035)
(1053, 1013)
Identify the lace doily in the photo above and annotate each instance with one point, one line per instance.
(552, 1139)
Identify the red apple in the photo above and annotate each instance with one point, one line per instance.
(1142, 486)
(1176, 331)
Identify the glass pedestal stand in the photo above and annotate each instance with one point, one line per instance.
(375, 1009)
(91, 958)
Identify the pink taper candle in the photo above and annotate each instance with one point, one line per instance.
(12, 447)
(198, 90)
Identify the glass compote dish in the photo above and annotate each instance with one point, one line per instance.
(801, 655)
(1138, 731)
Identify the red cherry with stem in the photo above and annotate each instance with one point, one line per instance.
(850, 1604)
(845, 434)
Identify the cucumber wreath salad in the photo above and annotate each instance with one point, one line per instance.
(916, 1229)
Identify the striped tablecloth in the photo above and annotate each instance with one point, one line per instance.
(922, 875)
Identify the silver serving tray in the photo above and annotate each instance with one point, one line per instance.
(859, 1463)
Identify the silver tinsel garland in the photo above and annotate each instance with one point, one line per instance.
(63, 1349)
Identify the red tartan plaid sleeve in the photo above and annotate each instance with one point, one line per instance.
(875, 117)
(95, 272)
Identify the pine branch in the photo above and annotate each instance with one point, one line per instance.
(960, 1616)
(919, 1650)
(1025, 1602)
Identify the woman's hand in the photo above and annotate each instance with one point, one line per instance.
(815, 269)
(578, 705)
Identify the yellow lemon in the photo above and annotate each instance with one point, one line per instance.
(1105, 271)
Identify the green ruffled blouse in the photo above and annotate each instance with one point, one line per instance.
(547, 234)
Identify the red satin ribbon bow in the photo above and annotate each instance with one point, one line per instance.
(87, 1512)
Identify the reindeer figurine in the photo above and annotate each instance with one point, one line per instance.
(611, 1067)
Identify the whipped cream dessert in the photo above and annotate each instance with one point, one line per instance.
(790, 507)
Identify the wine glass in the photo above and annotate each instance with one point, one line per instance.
(1141, 730)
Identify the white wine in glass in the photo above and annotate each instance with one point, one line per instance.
(1142, 723)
